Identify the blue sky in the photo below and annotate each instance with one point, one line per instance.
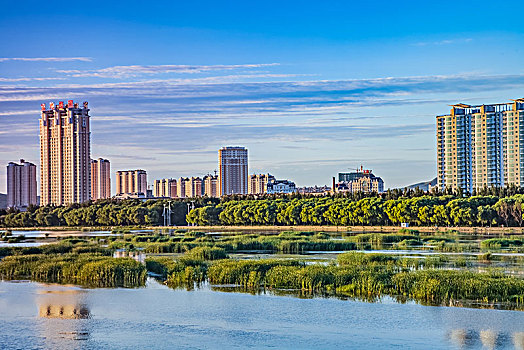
(310, 88)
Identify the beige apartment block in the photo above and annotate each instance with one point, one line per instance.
(233, 170)
(211, 185)
(193, 187)
(100, 179)
(21, 184)
(181, 187)
(258, 183)
(481, 146)
(165, 188)
(65, 157)
(131, 182)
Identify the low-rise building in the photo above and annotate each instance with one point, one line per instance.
(280, 186)
(360, 181)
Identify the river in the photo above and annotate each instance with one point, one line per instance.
(46, 316)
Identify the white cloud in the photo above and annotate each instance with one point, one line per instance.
(46, 59)
(14, 80)
(135, 70)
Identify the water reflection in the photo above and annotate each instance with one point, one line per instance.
(486, 339)
(63, 311)
(138, 256)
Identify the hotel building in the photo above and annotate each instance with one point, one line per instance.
(360, 181)
(233, 170)
(100, 179)
(131, 182)
(480, 146)
(21, 184)
(65, 175)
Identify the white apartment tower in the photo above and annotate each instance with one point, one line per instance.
(481, 146)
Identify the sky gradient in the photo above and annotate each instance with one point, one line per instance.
(311, 89)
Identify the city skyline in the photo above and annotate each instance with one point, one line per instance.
(306, 95)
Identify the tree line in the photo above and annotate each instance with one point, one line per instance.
(340, 210)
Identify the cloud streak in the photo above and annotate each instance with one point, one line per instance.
(46, 59)
(136, 70)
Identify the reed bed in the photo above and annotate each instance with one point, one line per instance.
(85, 269)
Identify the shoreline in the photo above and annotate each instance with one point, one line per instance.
(353, 229)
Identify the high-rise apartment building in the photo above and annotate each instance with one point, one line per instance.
(100, 179)
(481, 146)
(131, 182)
(258, 183)
(181, 187)
(193, 187)
(65, 156)
(211, 185)
(21, 184)
(165, 188)
(233, 168)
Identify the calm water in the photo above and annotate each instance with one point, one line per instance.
(42, 316)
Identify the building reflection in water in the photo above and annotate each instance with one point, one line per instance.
(487, 339)
(138, 256)
(518, 340)
(63, 312)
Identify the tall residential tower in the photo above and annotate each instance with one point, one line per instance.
(21, 184)
(233, 166)
(100, 179)
(481, 146)
(131, 182)
(65, 156)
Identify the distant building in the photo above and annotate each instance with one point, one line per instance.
(194, 187)
(258, 183)
(233, 170)
(181, 187)
(100, 179)
(314, 190)
(211, 185)
(360, 181)
(65, 156)
(165, 188)
(131, 182)
(481, 146)
(21, 185)
(280, 186)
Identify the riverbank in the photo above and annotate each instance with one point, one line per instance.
(485, 231)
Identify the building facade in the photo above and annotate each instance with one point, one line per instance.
(360, 181)
(258, 183)
(280, 186)
(211, 185)
(194, 187)
(100, 179)
(165, 188)
(131, 182)
(65, 154)
(481, 146)
(181, 187)
(21, 185)
(233, 170)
